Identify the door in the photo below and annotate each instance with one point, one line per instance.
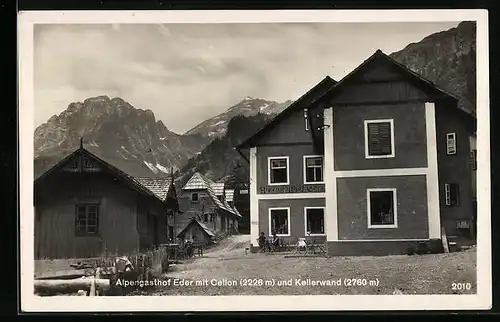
(155, 231)
(171, 233)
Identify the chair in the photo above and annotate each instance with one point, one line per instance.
(286, 244)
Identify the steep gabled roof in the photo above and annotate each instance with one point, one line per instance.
(194, 221)
(158, 186)
(124, 177)
(419, 81)
(303, 102)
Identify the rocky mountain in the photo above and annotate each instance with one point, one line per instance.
(129, 138)
(133, 140)
(448, 59)
(249, 106)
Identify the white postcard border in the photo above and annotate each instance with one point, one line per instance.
(32, 303)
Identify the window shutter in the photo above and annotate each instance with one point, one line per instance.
(379, 136)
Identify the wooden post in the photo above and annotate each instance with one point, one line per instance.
(97, 276)
(92, 287)
(444, 240)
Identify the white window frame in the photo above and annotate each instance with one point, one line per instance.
(395, 207)
(367, 150)
(451, 148)
(269, 159)
(473, 159)
(288, 221)
(305, 221)
(447, 195)
(304, 168)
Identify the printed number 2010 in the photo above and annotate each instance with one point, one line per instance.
(461, 286)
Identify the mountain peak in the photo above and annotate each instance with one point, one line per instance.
(96, 99)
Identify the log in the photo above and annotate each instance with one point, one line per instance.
(63, 274)
(69, 286)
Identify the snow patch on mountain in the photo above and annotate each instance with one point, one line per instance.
(162, 168)
(151, 167)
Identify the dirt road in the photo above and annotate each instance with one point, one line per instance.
(227, 270)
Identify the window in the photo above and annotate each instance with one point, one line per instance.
(473, 159)
(451, 143)
(313, 169)
(194, 197)
(205, 217)
(279, 221)
(382, 208)
(306, 120)
(212, 217)
(379, 139)
(452, 194)
(87, 219)
(315, 220)
(278, 170)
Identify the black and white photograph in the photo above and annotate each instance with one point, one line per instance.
(246, 160)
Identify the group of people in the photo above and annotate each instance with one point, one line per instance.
(268, 244)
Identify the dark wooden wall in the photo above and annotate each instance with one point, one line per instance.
(55, 206)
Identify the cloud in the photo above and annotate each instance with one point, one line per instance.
(186, 73)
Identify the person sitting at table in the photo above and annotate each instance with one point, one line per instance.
(262, 241)
(275, 241)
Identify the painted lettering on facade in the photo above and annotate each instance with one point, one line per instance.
(291, 189)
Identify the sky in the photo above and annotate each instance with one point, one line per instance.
(187, 73)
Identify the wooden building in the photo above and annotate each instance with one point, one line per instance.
(374, 164)
(197, 232)
(85, 207)
(205, 200)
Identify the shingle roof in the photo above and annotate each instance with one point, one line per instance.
(158, 186)
(207, 230)
(230, 195)
(200, 182)
(218, 188)
(197, 182)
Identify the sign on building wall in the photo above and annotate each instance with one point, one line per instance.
(292, 189)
